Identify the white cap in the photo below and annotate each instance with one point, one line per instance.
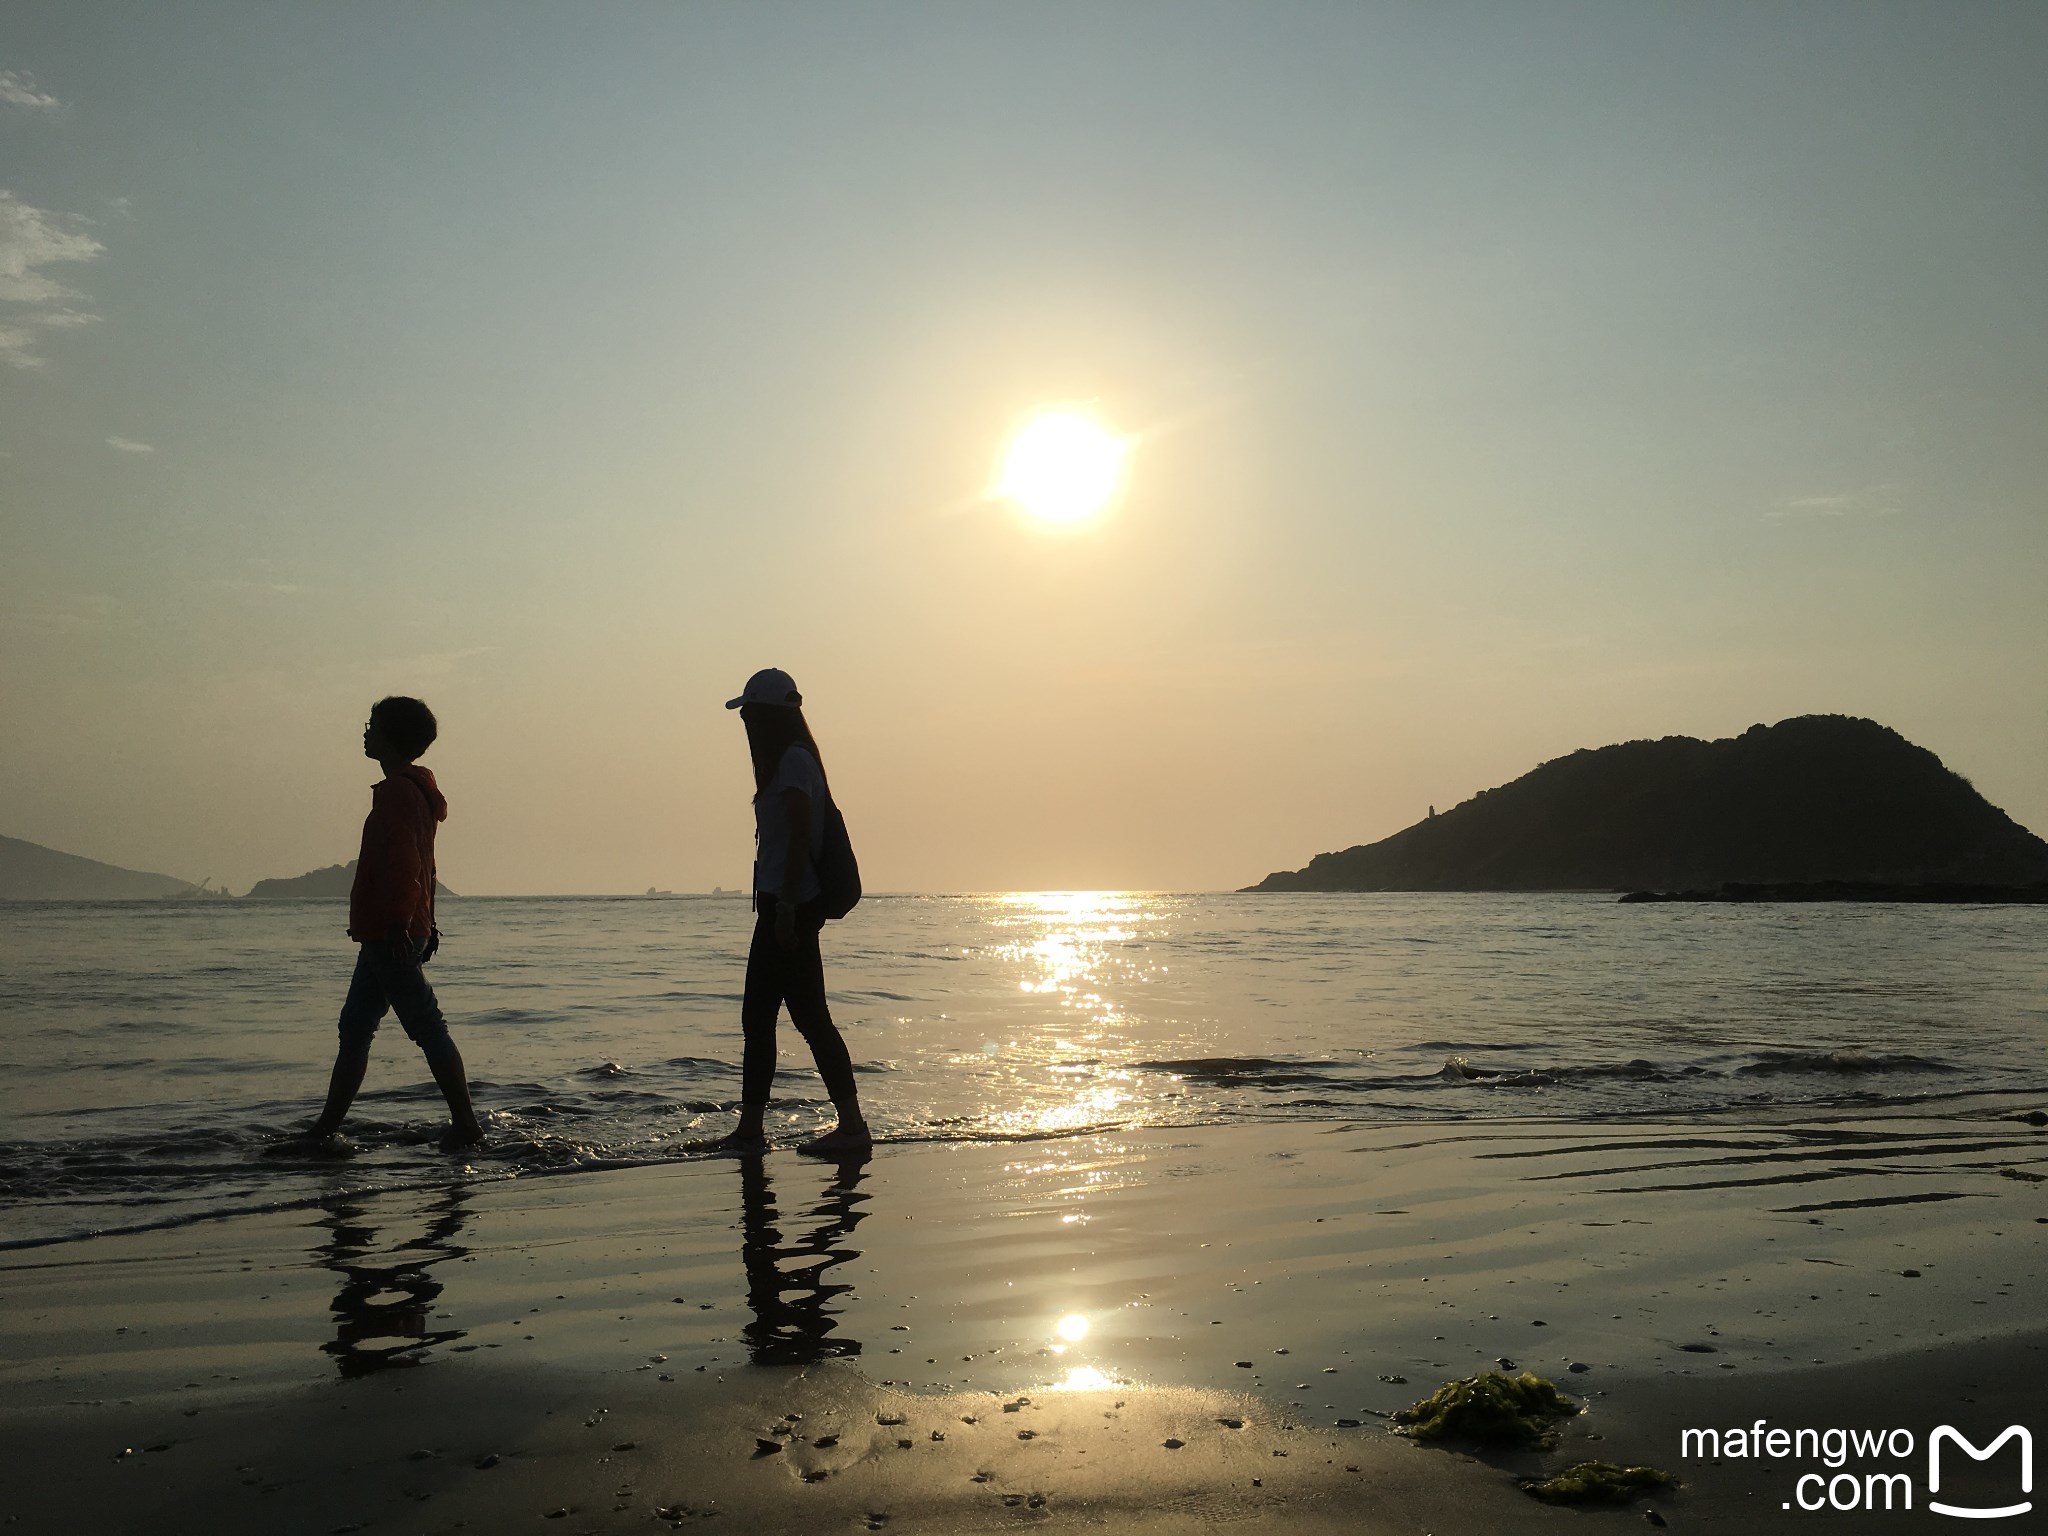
(770, 685)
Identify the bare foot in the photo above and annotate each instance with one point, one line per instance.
(739, 1144)
(840, 1141)
(312, 1142)
(462, 1138)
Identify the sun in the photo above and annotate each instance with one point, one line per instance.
(1063, 466)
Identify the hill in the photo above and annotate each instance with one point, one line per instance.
(1816, 798)
(331, 883)
(31, 872)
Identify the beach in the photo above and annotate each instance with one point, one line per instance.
(1165, 1329)
(1356, 687)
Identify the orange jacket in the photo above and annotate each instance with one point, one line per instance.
(394, 886)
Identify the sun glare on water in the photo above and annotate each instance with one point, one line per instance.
(1062, 466)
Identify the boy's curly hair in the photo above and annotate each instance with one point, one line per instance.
(407, 724)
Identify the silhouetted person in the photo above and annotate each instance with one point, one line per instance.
(391, 918)
(387, 1299)
(786, 1279)
(791, 798)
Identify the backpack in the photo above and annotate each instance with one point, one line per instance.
(838, 870)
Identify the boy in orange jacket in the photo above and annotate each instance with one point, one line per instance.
(391, 916)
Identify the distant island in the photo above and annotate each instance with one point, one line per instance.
(31, 872)
(329, 884)
(1813, 799)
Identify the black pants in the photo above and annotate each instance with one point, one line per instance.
(795, 976)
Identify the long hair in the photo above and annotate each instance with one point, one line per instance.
(772, 729)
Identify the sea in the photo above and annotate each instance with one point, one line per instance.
(157, 1058)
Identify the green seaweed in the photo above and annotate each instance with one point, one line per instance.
(1490, 1409)
(1597, 1482)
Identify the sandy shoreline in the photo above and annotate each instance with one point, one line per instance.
(1270, 1274)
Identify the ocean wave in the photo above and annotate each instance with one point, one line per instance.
(1271, 1074)
(1839, 1063)
(1244, 1072)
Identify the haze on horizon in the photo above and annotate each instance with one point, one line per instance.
(1501, 379)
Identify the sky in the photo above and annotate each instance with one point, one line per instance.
(1499, 380)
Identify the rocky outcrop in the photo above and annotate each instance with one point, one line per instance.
(329, 884)
(1812, 799)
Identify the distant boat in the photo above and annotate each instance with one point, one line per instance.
(651, 891)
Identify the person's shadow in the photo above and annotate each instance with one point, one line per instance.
(386, 1301)
(794, 1320)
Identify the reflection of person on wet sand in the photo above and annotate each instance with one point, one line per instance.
(382, 1310)
(792, 801)
(786, 1286)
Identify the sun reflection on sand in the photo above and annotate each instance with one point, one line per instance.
(1068, 1331)
(1084, 1378)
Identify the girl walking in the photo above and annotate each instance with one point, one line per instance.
(791, 800)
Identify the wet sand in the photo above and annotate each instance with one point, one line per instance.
(587, 1352)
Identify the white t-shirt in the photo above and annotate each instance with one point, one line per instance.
(797, 770)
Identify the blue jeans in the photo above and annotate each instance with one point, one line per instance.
(390, 978)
